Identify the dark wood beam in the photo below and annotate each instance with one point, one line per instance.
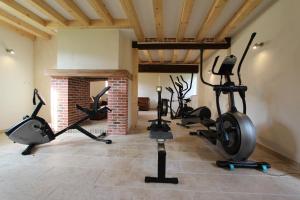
(168, 68)
(181, 45)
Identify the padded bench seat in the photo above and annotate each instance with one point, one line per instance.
(161, 135)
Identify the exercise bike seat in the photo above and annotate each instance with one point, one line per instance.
(162, 135)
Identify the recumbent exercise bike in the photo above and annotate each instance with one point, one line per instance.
(34, 130)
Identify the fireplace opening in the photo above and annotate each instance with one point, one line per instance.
(71, 87)
(98, 123)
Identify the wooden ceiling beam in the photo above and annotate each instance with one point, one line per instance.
(130, 12)
(18, 30)
(23, 13)
(174, 56)
(14, 21)
(71, 7)
(18, 8)
(159, 24)
(243, 12)
(210, 19)
(118, 24)
(148, 55)
(184, 21)
(49, 11)
(102, 11)
(158, 16)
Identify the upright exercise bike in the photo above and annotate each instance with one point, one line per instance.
(34, 130)
(233, 130)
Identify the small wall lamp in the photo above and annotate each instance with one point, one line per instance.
(257, 45)
(10, 51)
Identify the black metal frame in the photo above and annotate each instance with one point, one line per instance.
(161, 167)
(168, 68)
(181, 45)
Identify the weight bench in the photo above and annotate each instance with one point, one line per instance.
(161, 137)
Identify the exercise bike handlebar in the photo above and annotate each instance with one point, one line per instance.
(244, 55)
(36, 94)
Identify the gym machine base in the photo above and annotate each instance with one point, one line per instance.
(231, 164)
(160, 131)
(161, 137)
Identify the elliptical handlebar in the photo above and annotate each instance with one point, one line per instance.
(186, 84)
(201, 70)
(244, 55)
(174, 85)
(214, 65)
(191, 83)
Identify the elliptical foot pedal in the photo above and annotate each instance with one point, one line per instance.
(149, 179)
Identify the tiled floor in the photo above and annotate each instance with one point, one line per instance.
(75, 167)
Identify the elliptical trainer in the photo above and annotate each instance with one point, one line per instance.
(181, 91)
(34, 130)
(233, 130)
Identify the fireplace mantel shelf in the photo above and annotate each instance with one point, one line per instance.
(88, 73)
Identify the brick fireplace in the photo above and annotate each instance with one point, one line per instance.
(71, 87)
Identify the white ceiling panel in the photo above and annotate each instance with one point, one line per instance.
(171, 16)
(87, 9)
(181, 54)
(115, 8)
(230, 9)
(30, 7)
(144, 10)
(199, 12)
(168, 55)
(59, 9)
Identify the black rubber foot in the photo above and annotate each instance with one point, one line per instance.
(193, 133)
(28, 150)
(108, 141)
(149, 179)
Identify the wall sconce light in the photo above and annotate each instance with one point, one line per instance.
(10, 51)
(257, 45)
